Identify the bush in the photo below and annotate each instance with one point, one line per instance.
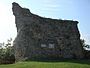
(7, 55)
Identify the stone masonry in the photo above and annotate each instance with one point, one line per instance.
(44, 38)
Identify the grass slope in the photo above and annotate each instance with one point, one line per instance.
(53, 64)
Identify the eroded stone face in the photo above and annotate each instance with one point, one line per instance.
(44, 38)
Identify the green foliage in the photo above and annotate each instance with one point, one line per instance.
(7, 53)
(58, 64)
(84, 44)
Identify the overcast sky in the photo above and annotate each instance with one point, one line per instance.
(60, 9)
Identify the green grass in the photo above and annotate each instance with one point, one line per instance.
(53, 64)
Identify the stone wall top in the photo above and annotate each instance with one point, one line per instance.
(18, 11)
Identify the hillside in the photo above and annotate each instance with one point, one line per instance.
(53, 64)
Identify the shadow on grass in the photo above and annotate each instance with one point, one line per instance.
(80, 61)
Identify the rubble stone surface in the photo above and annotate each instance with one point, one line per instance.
(44, 38)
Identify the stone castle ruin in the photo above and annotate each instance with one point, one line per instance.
(45, 38)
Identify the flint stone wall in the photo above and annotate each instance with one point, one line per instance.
(44, 38)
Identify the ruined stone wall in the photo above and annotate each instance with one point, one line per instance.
(40, 38)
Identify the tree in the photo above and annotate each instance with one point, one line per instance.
(83, 42)
(85, 46)
(7, 53)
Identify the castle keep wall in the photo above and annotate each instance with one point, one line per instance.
(40, 38)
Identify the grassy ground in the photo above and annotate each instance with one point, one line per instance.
(53, 64)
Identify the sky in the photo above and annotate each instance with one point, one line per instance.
(77, 10)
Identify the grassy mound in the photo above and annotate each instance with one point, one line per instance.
(50, 64)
